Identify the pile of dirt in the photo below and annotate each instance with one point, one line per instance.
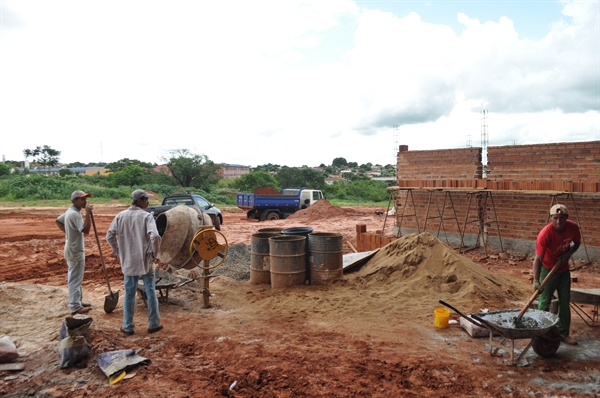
(319, 210)
(267, 191)
(421, 266)
(236, 265)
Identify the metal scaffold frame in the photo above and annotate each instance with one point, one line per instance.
(482, 196)
(482, 206)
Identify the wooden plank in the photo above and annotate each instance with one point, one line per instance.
(12, 366)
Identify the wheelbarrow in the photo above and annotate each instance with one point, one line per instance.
(537, 326)
(165, 281)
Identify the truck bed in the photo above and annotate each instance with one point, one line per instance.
(254, 201)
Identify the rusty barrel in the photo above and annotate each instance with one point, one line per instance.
(326, 257)
(301, 231)
(288, 260)
(260, 268)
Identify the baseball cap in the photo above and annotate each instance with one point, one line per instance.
(559, 209)
(139, 194)
(80, 194)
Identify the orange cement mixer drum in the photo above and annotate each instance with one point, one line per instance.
(209, 244)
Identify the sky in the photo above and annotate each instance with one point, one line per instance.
(294, 82)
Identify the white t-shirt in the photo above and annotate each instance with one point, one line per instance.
(74, 245)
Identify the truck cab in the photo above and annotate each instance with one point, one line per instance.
(307, 196)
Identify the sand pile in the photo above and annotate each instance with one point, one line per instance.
(421, 266)
(319, 210)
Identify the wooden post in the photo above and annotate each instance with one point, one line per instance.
(206, 291)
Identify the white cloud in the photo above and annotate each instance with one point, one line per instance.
(256, 82)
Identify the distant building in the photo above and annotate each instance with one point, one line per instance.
(332, 179)
(88, 171)
(233, 170)
(373, 173)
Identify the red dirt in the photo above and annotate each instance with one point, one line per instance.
(369, 334)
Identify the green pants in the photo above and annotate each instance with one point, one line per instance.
(561, 283)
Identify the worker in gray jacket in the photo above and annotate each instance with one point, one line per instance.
(134, 239)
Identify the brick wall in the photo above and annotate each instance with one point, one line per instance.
(457, 164)
(520, 216)
(572, 162)
(570, 167)
(367, 241)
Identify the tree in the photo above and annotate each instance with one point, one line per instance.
(300, 177)
(339, 162)
(257, 179)
(366, 167)
(192, 170)
(44, 155)
(269, 168)
(4, 169)
(129, 176)
(64, 172)
(121, 164)
(75, 164)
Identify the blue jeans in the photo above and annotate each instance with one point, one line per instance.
(75, 278)
(131, 283)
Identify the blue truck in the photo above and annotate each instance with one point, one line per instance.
(274, 207)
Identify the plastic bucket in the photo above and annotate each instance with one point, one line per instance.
(441, 317)
(260, 268)
(288, 260)
(325, 258)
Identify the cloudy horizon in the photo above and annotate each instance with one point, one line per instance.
(292, 82)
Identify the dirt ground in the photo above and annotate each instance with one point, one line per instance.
(368, 334)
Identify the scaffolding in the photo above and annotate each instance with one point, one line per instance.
(481, 201)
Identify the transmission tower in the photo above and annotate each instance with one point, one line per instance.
(485, 140)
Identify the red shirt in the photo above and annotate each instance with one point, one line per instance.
(550, 244)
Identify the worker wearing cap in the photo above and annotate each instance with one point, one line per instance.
(74, 227)
(134, 239)
(554, 246)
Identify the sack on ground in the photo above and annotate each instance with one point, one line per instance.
(73, 348)
(114, 362)
(8, 350)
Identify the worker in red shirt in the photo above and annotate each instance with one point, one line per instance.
(554, 246)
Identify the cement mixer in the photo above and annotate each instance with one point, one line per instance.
(190, 240)
(177, 227)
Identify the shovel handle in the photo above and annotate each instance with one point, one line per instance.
(535, 294)
(100, 251)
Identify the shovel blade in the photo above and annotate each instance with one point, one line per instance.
(110, 302)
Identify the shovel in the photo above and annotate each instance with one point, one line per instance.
(517, 321)
(110, 301)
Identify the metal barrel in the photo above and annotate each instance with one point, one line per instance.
(326, 258)
(270, 230)
(288, 260)
(260, 268)
(301, 231)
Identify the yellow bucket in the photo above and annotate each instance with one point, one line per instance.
(442, 315)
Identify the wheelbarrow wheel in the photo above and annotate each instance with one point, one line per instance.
(547, 344)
